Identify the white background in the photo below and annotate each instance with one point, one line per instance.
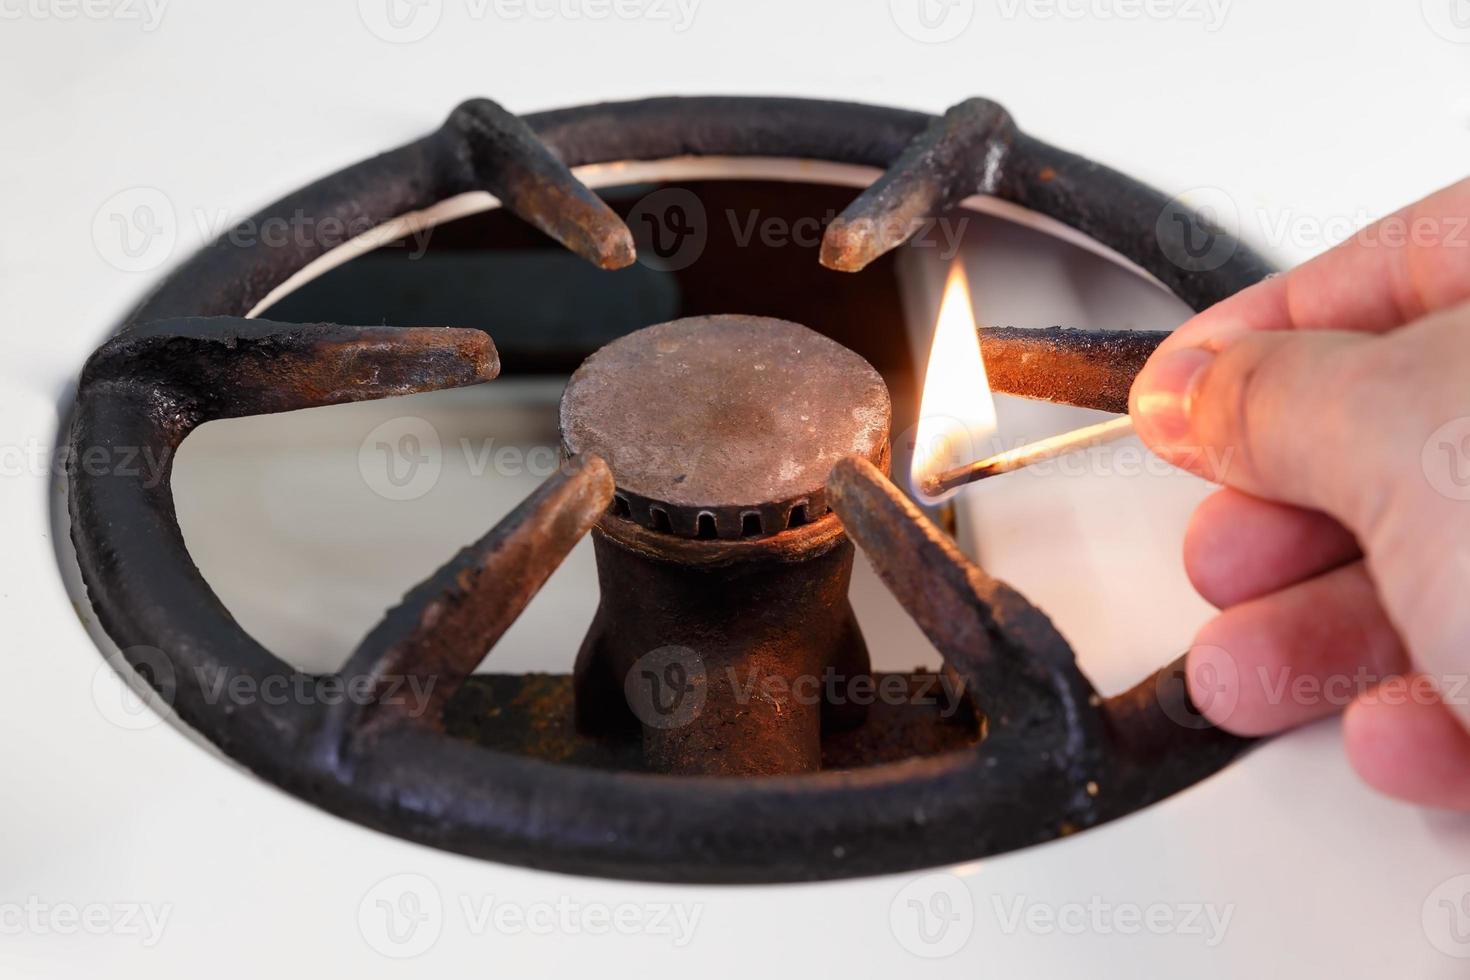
(1305, 118)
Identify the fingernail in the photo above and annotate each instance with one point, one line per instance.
(1163, 390)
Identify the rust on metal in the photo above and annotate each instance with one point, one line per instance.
(718, 618)
(507, 158)
(1159, 740)
(1089, 368)
(724, 426)
(959, 154)
(172, 368)
(720, 665)
(1010, 656)
(227, 367)
(443, 628)
(910, 715)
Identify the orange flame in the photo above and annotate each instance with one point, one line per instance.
(957, 411)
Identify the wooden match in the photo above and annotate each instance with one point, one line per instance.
(1036, 452)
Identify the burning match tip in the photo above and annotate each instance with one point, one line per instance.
(1036, 452)
(935, 487)
(932, 485)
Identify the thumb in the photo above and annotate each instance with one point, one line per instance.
(1373, 429)
(1333, 421)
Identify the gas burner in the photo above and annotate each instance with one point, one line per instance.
(724, 466)
(732, 424)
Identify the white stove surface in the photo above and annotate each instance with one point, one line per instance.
(130, 848)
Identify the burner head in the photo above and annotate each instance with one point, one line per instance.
(725, 426)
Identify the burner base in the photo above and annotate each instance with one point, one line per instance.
(721, 664)
(533, 715)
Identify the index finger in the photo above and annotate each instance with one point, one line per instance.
(1413, 262)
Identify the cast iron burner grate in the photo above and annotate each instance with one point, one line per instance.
(741, 571)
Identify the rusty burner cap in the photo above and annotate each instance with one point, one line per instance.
(724, 426)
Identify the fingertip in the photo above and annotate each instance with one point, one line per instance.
(1238, 547)
(1405, 743)
(1213, 677)
(1210, 556)
(1293, 656)
(1159, 401)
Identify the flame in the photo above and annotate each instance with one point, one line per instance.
(957, 411)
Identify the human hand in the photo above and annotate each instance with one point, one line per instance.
(1333, 402)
